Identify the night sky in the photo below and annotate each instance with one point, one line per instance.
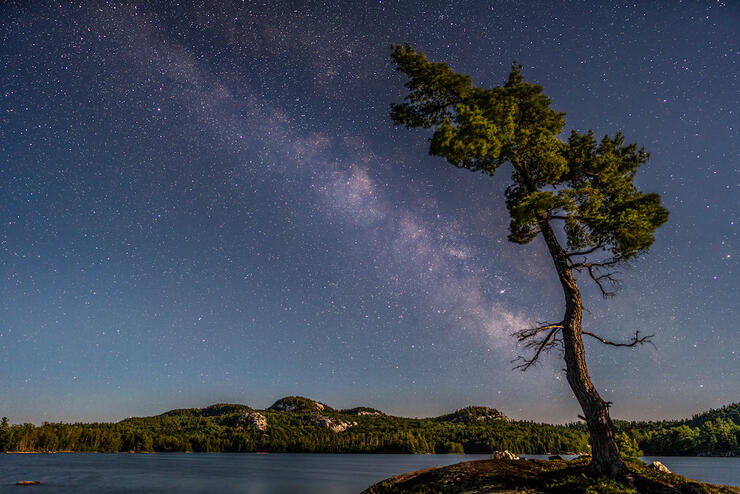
(209, 203)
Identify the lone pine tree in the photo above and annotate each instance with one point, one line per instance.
(581, 186)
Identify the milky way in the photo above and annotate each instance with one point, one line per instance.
(208, 204)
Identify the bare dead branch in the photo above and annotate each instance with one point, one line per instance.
(600, 279)
(542, 344)
(636, 339)
(524, 334)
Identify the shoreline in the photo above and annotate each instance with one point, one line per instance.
(319, 454)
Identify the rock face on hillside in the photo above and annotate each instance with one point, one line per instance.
(473, 414)
(299, 404)
(253, 419)
(334, 425)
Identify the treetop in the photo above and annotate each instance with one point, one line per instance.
(587, 185)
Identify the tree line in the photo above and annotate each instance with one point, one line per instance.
(715, 433)
(288, 434)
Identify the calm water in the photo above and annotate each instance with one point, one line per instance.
(256, 474)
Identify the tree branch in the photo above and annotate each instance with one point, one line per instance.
(599, 279)
(542, 344)
(564, 218)
(524, 334)
(585, 252)
(636, 339)
(596, 265)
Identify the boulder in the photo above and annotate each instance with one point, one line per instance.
(656, 465)
(504, 455)
(555, 458)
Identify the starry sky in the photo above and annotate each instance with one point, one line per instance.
(207, 202)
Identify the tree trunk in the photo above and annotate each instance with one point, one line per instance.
(605, 454)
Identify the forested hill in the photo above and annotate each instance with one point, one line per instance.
(297, 424)
(712, 433)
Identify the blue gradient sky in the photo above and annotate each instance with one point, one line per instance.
(207, 204)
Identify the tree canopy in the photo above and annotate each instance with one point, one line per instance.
(586, 184)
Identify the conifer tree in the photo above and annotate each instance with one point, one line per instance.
(4, 434)
(581, 187)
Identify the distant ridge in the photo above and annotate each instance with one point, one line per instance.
(300, 424)
(301, 404)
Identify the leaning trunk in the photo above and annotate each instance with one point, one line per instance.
(605, 454)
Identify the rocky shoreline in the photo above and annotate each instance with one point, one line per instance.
(509, 476)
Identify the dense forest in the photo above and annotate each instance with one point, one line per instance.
(296, 424)
(712, 433)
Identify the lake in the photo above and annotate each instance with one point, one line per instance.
(257, 474)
